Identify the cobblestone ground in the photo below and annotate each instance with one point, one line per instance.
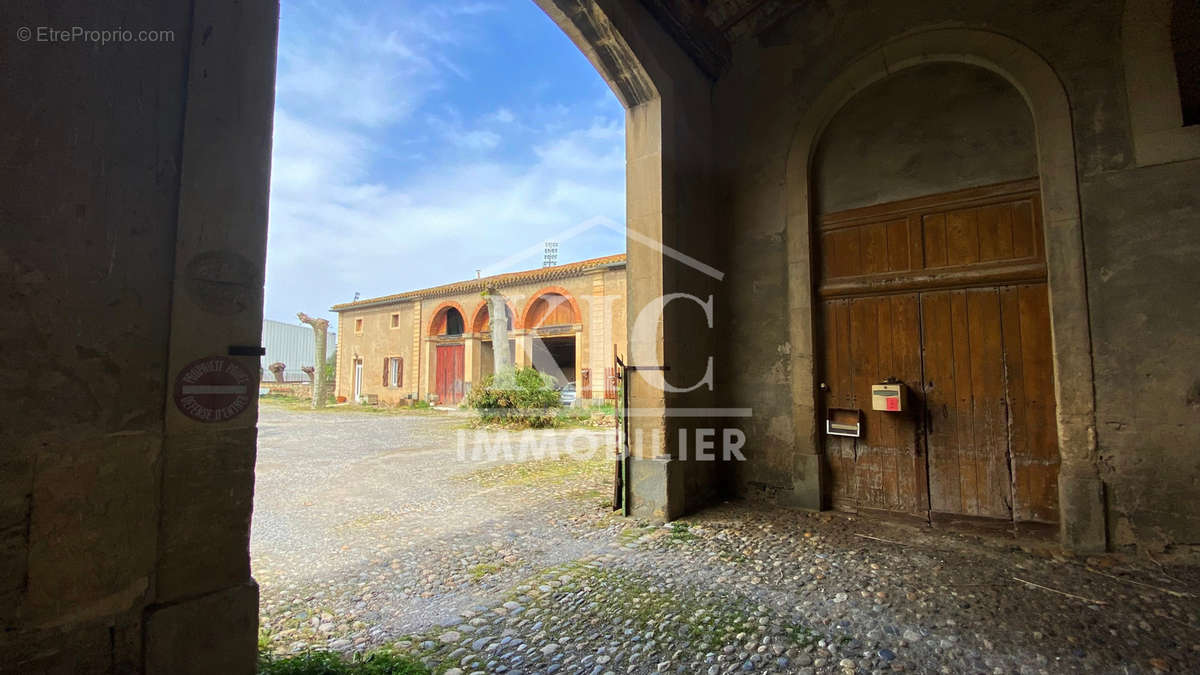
(370, 531)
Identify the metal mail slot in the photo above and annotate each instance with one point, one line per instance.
(843, 422)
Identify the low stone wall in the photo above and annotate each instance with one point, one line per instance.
(297, 389)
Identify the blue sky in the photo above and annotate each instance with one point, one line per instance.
(416, 142)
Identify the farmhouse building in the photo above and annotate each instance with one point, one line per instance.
(432, 344)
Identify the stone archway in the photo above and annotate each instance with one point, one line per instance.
(437, 317)
(1081, 497)
(541, 296)
(480, 317)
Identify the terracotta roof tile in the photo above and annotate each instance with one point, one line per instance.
(509, 279)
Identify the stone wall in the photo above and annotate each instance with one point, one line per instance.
(123, 526)
(1139, 237)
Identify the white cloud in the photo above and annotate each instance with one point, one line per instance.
(452, 131)
(502, 115)
(334, 233)
(372, 192)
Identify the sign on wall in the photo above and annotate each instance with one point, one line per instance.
(213, 389)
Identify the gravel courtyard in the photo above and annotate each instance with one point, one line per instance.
(371, 531)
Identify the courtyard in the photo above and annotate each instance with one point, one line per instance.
(373, 530)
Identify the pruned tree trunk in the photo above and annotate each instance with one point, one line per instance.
(310, 372)
(320, 334)
(498, 318)
(277, 369)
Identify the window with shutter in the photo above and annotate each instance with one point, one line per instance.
(385, 372)
(395, 371)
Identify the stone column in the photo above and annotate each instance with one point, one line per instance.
(472, 358)
(578, 359)
(429, 365)
(524, 343)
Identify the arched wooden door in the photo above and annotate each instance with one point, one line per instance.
(946, 294)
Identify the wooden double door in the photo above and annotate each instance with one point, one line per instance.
(449, 384)
(947, 295)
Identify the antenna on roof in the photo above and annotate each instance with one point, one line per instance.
(550, 259)
(355, 296)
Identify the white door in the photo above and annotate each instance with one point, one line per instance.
(357, 381)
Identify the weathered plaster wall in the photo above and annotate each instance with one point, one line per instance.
(124, 526)
(1143, 228)
(1139, 230)
(928, 129)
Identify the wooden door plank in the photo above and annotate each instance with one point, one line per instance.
(989, 451)
(897, 246)
(1024, 245)
(845, 254)
(912, 485)
(962, 237)
(839, 450)
(965, 432)
(940, 396)
(873, 248)
(1018, 410)
(934, 232)
(916, 242)
(889, 442)
(1042, 461)
(864, 334)
(991, 233)
(1004, 232)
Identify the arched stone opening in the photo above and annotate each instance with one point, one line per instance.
(553, 336)
(1081, 511)
(551, 306)
(481, 319)
(447, 319)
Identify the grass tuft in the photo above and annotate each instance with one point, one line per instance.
(381, 662)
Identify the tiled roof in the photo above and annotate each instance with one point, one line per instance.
(510, 279)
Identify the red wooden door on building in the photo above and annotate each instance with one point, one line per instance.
(946, 294)
(449, 374)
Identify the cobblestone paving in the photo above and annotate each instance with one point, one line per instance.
(370, 531)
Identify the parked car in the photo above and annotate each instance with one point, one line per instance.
(566, 395)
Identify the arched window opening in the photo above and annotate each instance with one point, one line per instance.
(454, 322)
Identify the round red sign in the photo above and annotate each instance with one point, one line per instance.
(213, 389)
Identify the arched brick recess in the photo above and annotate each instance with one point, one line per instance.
(1080, 489)
(477, 316)
(552, 290)
(437, 313)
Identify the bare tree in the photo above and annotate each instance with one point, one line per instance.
(320, 333)
(498, 318)
(310, 372)
(277, 369)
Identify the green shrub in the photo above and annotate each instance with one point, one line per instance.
(381, 662)
(522, 397)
